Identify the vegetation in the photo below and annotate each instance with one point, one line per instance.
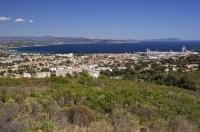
(155, 72)
(81, 103)
(180, 80)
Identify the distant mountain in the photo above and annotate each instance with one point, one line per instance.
(165, 39)
(48, 40)
(43, 40)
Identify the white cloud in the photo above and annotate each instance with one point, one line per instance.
(31, 21)
(19, 20)
(4, 18)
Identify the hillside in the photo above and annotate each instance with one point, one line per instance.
(95, 105)
(49, 40)
(194, 76)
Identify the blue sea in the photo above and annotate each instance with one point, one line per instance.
(111, 48)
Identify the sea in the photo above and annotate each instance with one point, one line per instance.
(89, 48)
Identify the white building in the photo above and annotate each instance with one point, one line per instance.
(94, 74)
(53, 69)
(26, 75)
(42, 74)
(62, 72)
(70, 55)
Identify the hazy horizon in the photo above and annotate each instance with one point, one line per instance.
(175, 39)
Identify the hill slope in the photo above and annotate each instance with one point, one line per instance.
(57, 104)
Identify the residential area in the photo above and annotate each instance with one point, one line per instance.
(35, 65)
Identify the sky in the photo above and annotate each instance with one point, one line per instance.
(108, 19)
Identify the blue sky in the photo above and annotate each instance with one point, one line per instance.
(118, 19)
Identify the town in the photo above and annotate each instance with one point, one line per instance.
(35, 65)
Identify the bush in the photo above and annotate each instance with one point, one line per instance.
(183, 125)
(80, 115)
(122, 121)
